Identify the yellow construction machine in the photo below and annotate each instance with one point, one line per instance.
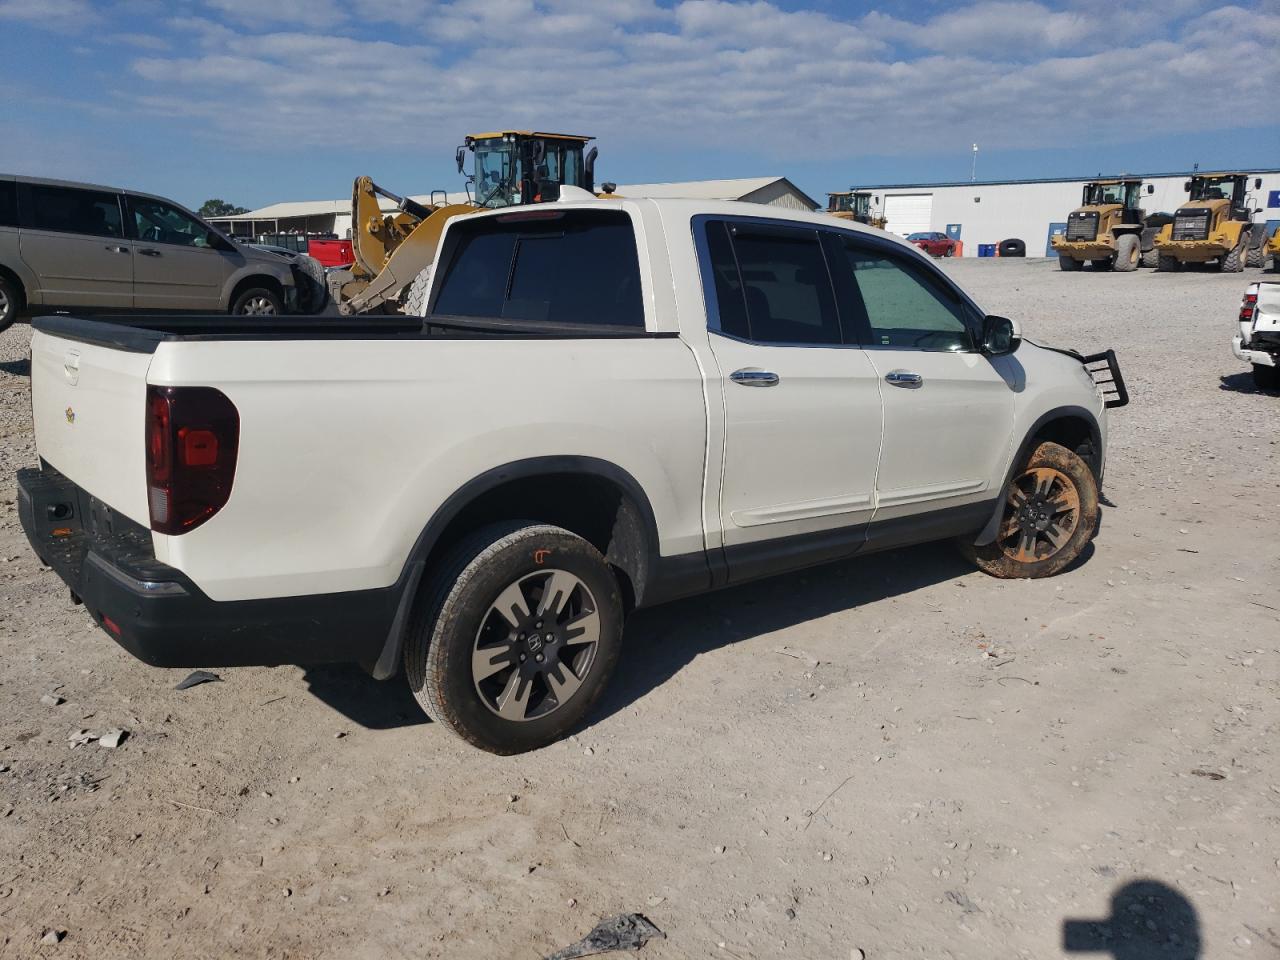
(1217, 224)
(1108, 229)
(393, 252)
(853, 205)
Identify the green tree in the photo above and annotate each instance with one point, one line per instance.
(219, 208)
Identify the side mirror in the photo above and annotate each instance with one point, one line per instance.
(460, 156)
(1000, 336)
(217, 242)
(1186, 186)
(1151, 188)
(1257, 183)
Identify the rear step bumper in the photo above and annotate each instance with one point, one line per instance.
(162, 618)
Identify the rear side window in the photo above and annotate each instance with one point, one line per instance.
(576, 267)
(71, 210)
(772, 284)
(8, 203)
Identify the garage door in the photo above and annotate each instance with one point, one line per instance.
(908, 213)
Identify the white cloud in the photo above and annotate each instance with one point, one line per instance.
(50, 14)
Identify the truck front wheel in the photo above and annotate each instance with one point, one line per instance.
(1069, 264)
(1166, 264)
(1127, 253)
(516, 637)
(1050, 515)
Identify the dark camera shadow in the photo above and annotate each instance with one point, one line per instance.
(1149, 921)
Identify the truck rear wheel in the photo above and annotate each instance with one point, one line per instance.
(1168, 264)
(1127, 253)
(1256, 257)
(1233, 262)
(1266, 378)
(516, 637)
(1069, 264)
(1151, 258)
(1050, 515)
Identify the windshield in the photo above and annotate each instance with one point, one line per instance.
(837, 202)
(497, 173)
(861, 204)
(1096, 194)
(1202, 189)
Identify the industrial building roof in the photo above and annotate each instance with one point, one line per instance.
(1084, 179)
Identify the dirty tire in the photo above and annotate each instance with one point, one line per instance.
(415, 297)
(1056, 483)
(1168, 264)
(457, 621)
(10, 301)
(1127, 253)
(258, 302)
(1151, 259)
(1266, 378)
(1233, 262)
(1256, 256)
(1069, 264)
(313, 290)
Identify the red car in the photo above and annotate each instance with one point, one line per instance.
(934, 244)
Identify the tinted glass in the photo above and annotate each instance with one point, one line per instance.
(157, 222)
(786, 286)
(906, 308)
(732, 307)
(8, 203)
(70, 210)
(577, 267)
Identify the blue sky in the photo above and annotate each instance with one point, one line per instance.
(256, 101)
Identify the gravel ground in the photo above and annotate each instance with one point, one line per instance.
(895, 755)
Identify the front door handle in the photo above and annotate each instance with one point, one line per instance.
(148, 252)
(904, 378)
(114, 249)
(754, 378)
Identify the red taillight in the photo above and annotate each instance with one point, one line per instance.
(193, 434)
(1247, 306)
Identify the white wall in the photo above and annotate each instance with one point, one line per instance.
(1025, 210)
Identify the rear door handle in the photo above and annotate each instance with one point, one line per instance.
(754, 378)
(148, 252)
(904, 378)
(114, 249)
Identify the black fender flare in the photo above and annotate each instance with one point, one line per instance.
(988, 533)
(415, 566)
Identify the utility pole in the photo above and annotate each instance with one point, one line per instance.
(973, 174)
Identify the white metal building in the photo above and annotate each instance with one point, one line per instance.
(334, 216)
(985, 212)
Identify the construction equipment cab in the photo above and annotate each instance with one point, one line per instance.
(1107, 229)
(1216, 224)
(393, 251)
(853, 205)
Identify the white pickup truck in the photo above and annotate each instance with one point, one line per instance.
(610, 404)
(1258, 340)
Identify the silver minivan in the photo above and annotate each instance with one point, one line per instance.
(86, 248)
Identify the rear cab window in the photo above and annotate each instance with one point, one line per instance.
(561, 271)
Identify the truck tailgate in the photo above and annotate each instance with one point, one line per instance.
(89, 405)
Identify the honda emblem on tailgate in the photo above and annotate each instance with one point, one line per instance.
(71, 367)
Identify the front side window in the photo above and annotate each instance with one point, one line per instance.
(904, 307)
(71, 210)
(574, 267)
(158, 222)
(772, 284)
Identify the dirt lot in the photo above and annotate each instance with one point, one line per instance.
(895, 755)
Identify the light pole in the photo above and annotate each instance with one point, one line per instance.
(973, 174)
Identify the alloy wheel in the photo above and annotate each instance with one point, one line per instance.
(258, 307)
(1042, 511)
(536, 644)
(6, 305)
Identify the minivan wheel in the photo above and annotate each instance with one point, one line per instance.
(258, 302)
(1050, 514)
(516, 637)
(10, 298)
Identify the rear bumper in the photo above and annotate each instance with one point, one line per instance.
(162, 618)
(1262, 358)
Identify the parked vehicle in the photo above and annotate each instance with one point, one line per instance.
(308, 275)
(1216, 225)
(1109, 229)
(1271, 249)
(854, 205)
(611, 404)
(1258, 341)
(331, 253)
(75, 246)
(934, 244)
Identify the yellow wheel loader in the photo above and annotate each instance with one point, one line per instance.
(854, 205)
(1108, 229)
(393, 252)
(1216, 224)
(1269, 249)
